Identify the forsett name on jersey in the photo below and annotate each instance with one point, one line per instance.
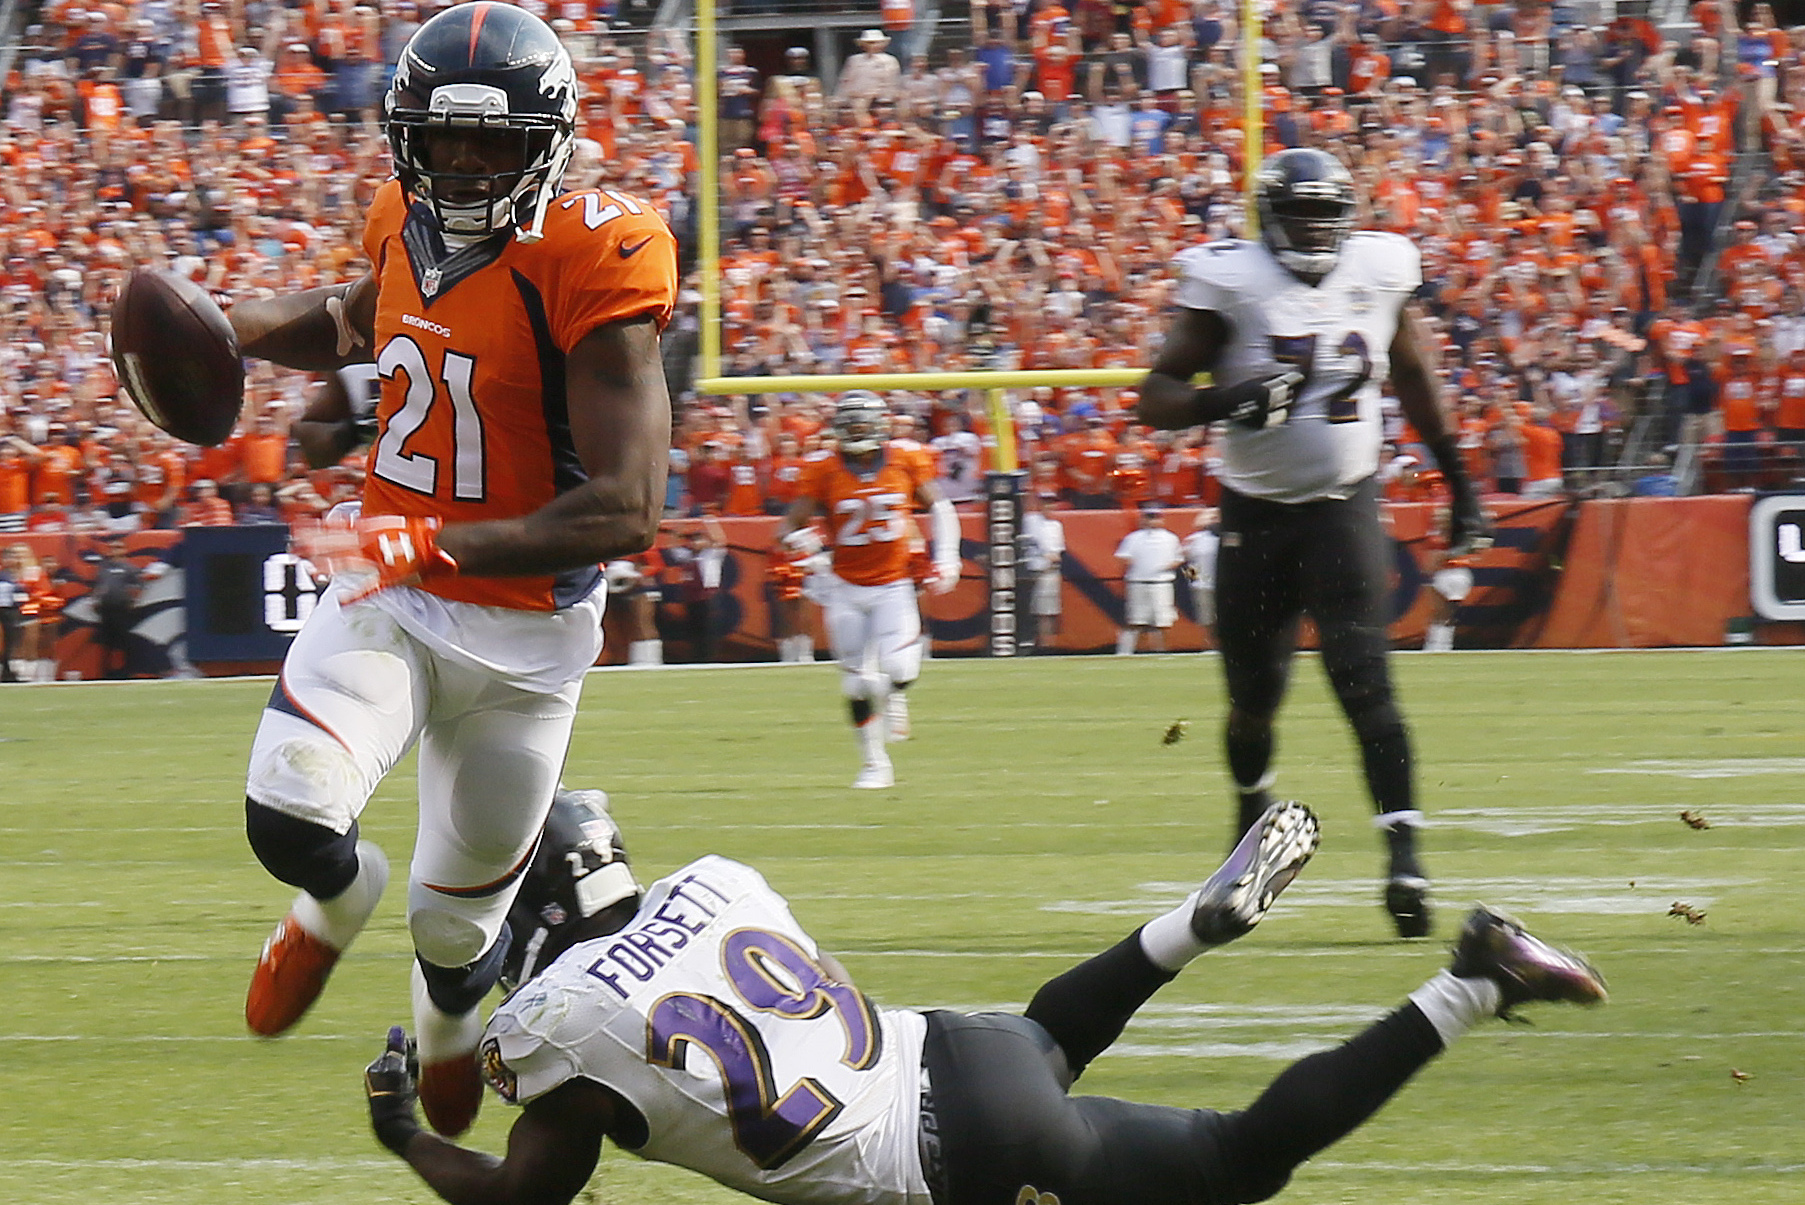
(1338, 333)
(710, 1013)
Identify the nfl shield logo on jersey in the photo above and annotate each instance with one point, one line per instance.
(429, 282)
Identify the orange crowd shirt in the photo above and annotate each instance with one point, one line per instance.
(15, 482)
(869, 515)
(1791, 416)
(473, 421)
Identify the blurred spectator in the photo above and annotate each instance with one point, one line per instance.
(1013, 200)
(260, 506)
(114, 592)
(873, 74)
(206, 508)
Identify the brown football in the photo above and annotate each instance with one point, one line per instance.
(177, 357)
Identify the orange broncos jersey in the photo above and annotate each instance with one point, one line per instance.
(869, 518)
(473, 421)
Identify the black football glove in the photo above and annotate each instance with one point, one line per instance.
(1469, 531)
(363, 422)
(363, 431)
(389, 1087)
(1265, 402)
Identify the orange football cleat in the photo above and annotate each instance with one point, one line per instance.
(451, 1092)
(291, 972)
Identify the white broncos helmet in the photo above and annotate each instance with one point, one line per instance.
(861, 422)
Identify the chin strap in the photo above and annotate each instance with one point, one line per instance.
(533, 231)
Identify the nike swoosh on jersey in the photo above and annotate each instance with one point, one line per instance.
(629, 252)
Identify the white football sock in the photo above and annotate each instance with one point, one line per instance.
(872, 736)
(1125, 641)
(1455, 1005)
(1167, 940)
(440, 1035)
(339, 920)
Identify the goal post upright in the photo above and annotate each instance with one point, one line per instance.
(1253, 133)
(709, 186)
(1009, 590)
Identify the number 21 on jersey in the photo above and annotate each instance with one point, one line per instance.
(415, 471)
(770, 974)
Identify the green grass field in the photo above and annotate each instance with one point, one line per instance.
(1039, 820)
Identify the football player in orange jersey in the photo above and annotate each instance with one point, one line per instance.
(520, 440)
(788, 574)
(866, 490)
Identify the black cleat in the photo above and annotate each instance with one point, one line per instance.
(1525, 968)
(1407, 899)
(1262, 864)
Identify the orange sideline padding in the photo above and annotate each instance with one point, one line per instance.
(75, 648)
(1652, 572)
(1626, 573)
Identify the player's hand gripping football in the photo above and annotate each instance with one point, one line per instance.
(374, 553)
(1267, 401)
(389, 1087)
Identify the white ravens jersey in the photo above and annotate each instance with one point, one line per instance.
(1338, 334)
(749, 1063)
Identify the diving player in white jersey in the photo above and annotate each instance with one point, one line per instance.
(699, 1024)
(1298, 331)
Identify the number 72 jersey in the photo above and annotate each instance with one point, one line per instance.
(473, 421)
(711, 1014)
(1337, 333)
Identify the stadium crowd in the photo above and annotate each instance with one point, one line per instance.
(1011, 203)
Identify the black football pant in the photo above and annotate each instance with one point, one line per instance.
(1330, 560)
(997, 1117)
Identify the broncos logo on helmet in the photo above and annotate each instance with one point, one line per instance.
(481, 118)
(1306, 203)
(860, 422)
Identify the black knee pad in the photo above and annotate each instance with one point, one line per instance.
(457, 990)
(301, 853)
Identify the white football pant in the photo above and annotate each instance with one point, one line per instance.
(356, 693)
(874, 630)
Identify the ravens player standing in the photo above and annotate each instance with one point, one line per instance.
(1298, 331)
(520, 439)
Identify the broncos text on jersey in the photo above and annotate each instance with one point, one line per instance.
(473, 421)
(1337, 333)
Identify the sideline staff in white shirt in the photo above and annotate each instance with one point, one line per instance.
(1151, 553)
